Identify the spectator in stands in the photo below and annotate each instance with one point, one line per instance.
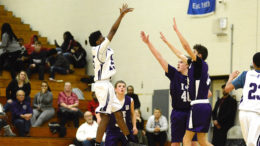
(57, 63)
(130, 93)
(23, 59)
(20, 83)
(141, 136)
(3, 124)
(92, 105)
(21, 114)
(21, 43)
(68, 106)
(42, 104)
(223, 116)
(77, 56)
(156, 128)
(86, 134)
(37, 61)
(10, 49)
(31, 46)
(67, 44)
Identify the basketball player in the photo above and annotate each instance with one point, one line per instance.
(249, 108)
(113, 133)
(178, 91)
(198, 88)
(104, 69)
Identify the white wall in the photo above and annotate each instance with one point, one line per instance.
(135, 64)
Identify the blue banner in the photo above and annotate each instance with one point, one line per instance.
(201, 7)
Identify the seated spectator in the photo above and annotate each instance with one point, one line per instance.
(31, 46)
(130, 93)
(142, 139)
(57, 63)
(21, 43)
(37, 61)
(68, 106)
(113, 132)
(10, 49)
(21, 114)
(156, 128)
(23, 59)
(86, 134)
(3, 124)
(67, 44)
(92, 105)
(78, 56)
(42, 104)
(20, 83)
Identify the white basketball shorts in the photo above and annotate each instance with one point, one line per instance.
(108, 102)
(250, 126)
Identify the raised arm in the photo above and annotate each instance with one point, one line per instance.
(174, 50)
(155, 53)
(229, 86)
(115, 26)
(183, 41)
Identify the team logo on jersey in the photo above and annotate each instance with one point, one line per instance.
(258, 141)
(127, 107)
(24, 107)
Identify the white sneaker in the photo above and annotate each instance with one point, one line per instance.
(51, 79)
(59, 81)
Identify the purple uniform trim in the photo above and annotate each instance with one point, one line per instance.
(103, 109)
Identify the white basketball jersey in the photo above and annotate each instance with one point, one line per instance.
(251, 92)
(103, 70)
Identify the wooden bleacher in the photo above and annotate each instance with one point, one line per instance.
(29, 141)
(20, 29)
(40, 136)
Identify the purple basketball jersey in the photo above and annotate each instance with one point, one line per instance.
(113, 132)
(178, 89)
(198, 73)
(199, 83)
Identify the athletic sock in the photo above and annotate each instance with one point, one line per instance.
(97, 144)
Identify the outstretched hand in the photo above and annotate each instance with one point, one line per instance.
(125, 9)
(234, 74)
(174, 25)
(163, 37)
(145, 37)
